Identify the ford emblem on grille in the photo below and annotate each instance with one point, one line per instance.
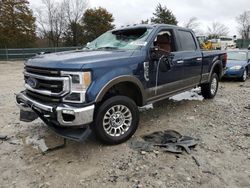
(32, 82)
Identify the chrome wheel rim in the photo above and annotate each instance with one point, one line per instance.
(245, 75)
(117, 120)
(214, 85)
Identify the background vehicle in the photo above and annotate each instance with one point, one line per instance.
(205, 44)
(223, 43)
(101, 86)
(238, 64)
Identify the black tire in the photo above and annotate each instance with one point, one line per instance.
(243, 78)
(105, 109)
(207, 90)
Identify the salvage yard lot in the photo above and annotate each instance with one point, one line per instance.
(222, 126)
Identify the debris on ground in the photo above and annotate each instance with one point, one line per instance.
(146, 108)
(169, 140)
(196, 161)
(247, 107)
(3, 137)
(40, 144)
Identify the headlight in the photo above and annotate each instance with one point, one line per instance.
(79, 83)
(237, 67)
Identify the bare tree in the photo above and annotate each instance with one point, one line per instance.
(244, 24)
(75, 10)
(51, 21)
(58, 20)
(193, 24)
(217, 29)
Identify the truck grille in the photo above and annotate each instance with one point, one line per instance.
(45, 84)
(44, 72)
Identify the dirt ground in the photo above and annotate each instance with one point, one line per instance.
(222, 126)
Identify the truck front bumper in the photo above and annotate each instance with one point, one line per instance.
(61, 115)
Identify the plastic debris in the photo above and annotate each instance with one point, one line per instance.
(170, 141)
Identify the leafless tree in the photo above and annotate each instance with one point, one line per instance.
(51, 21)
(217, 29)
(193, 24)
(55, 18)
(75, 9)
(244, 24)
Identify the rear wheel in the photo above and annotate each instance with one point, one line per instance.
(116, 120)
(209, 90)
(244, 76)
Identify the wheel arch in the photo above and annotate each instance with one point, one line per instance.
(127, 81)
(217, 67)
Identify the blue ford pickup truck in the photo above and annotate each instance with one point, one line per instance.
(100, 87)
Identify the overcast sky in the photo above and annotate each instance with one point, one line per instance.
(207, 11)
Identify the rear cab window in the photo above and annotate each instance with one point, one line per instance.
(187, 41)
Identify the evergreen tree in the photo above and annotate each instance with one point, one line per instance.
(74, 34)
(96, 22)
(163, 15)
(17, 24)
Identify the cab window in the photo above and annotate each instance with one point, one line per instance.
(187, 41)
(165, 41)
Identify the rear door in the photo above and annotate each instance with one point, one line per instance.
(190, 57)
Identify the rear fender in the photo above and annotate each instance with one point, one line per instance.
(217, 63)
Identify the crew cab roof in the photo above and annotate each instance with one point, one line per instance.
(152, 26)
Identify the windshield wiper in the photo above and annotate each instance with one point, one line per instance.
(107, 48)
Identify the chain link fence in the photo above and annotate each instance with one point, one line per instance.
(25, 53)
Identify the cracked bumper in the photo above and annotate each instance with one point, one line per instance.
(62, 115)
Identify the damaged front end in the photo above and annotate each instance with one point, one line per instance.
(58, 98)
(67, 121)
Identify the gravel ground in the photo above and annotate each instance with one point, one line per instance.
(222, 125)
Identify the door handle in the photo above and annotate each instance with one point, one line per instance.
(180, 61)
(199, 59)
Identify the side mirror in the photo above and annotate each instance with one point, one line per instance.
(154, 53)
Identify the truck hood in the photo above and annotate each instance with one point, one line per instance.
(74, 60)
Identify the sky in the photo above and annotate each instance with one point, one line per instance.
(128, 12)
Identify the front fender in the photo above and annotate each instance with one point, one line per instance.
(100, 86)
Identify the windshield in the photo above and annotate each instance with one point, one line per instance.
(241, 56)
(127, 39)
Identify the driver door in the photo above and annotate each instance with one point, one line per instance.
(162, 82)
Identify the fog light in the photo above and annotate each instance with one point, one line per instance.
(73, 97)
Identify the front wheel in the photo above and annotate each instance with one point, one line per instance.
(116, 120)
(209, 90)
